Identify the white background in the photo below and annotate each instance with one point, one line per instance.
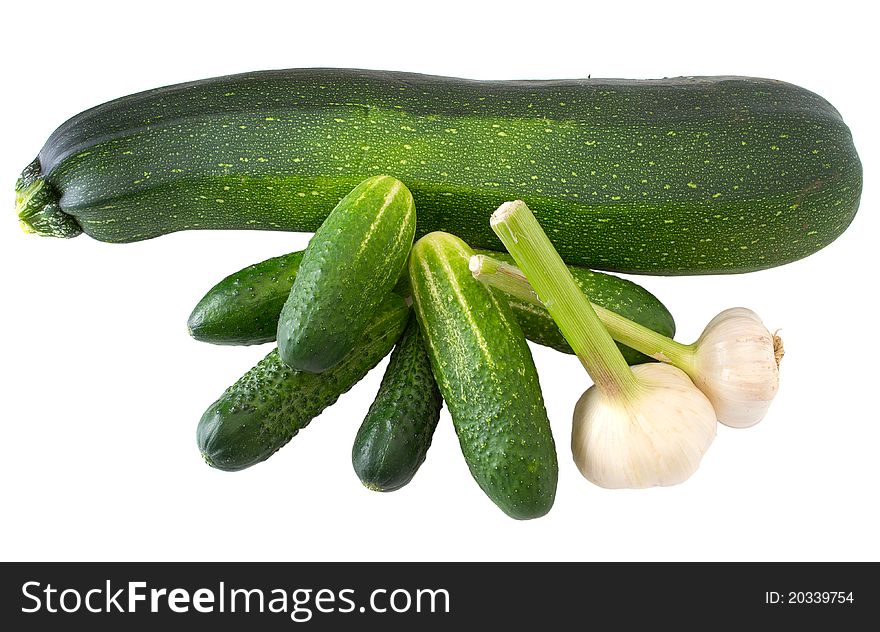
(102, 388)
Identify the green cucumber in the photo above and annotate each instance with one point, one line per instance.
(243, 308)
(394, 437)
(271, 403)
(486, 374)
(351, 263)
(619, 295)
(228, 313)
(677, 176)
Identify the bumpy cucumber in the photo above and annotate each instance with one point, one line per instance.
(264, 409)
(351, 263)
(243, 308)
(485, 372)
(228, 311)
(394, 437)
(676, 176)
(619, 295)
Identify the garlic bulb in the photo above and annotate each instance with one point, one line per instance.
(736, 364)
(636, 427)
(656, 437)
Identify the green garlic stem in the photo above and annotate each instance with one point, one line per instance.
(646, 340)
(511, 280)
(505, 277)
(530, 247)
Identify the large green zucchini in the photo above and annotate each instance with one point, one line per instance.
(673, 176)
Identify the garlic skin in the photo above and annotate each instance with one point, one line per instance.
(736, 364)
(656, 438)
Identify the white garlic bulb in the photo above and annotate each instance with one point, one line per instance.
(736, 364)
(656, 437)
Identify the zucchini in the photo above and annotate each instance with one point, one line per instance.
(244, 307)
(271, 403)
(394, 437)
(677, 176)
(349, 266)
(485, 372)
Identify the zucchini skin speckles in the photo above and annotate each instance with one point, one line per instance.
(691, 175)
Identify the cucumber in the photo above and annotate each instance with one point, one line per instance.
(243, 308)
(228, 314)
(394, 437)
(485, 372)
(676, 176)
(271, 403)
(350, 264)
(620, 295)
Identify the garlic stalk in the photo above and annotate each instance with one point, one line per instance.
(635, 427)
(735, 361)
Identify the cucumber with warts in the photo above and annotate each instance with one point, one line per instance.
(351, 263)
(619, 295)
(393, 440)
(483, 366)
(691, 175)
(244, 307)
(271, 403)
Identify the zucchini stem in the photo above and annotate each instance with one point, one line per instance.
(511, 280)
(530, 247)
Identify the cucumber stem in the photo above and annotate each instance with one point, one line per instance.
(511, 280)
(530, 247)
